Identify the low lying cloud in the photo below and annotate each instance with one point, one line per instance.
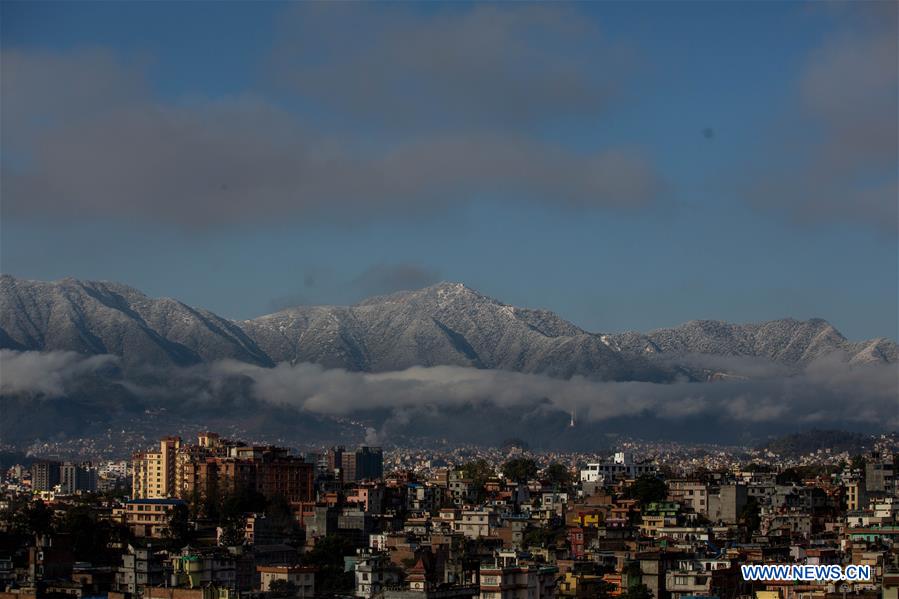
(828, 392)
(46, 373)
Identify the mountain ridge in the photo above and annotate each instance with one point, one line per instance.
(443, 324)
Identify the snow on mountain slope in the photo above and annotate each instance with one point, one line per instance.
(445, 324)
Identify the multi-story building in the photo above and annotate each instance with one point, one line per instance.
(622, 465)
(691, 494)
(302, 579)
(879, 474)
(373, 573)
(506, 578)
(705, 578)
(77, 477)
(149, 517)
(365, 463)
(856, 495)
(214, 467)
(195, 568)
(476, 523)
(44, 475)
(153, 473)
(141, 567)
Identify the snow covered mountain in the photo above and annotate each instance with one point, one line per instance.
(447, 323)
(93, 317)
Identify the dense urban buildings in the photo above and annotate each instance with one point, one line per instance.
(217, 518)
(215, 467)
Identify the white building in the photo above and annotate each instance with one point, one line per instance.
(301, 577)
(374, 572)
(507, 579)
(622, 465)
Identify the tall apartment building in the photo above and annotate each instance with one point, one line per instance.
(44, 475)
(334, 458)
(214, 467)
(153, 472)
(77, 477)
(369, 463)
(856, 496)
(879, 473)
(365, 463)
(727, 505)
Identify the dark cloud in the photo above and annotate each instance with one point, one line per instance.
(83, 136)
(381, 279)
(837, 159)
(459, 66)
(44, 89)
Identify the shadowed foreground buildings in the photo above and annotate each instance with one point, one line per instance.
(215, 467)
(237, 521)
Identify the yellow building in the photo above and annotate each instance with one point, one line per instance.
(148, 517)
(856, 497)
(582, 585)
(153, 472)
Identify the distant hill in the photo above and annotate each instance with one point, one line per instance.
(445, 324)
(837, 441)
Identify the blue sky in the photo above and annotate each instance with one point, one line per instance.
(628, 165)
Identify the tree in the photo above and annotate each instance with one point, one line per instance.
(39, 518)
(179, 530)
(520, 469)
(89, 537)
(640, 591)
(544, 536)
(604, 589)
(478, 472)
(647, 489)
(749, 516)
(327, 555)
(242, 501)
(233, 533)
(632, 574)
(557, 474)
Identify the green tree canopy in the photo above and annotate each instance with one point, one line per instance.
(647, 489)
(520, 469)
(557, 474)
(478, 470)
(640, 591)
(179, 529)
(327, 555)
